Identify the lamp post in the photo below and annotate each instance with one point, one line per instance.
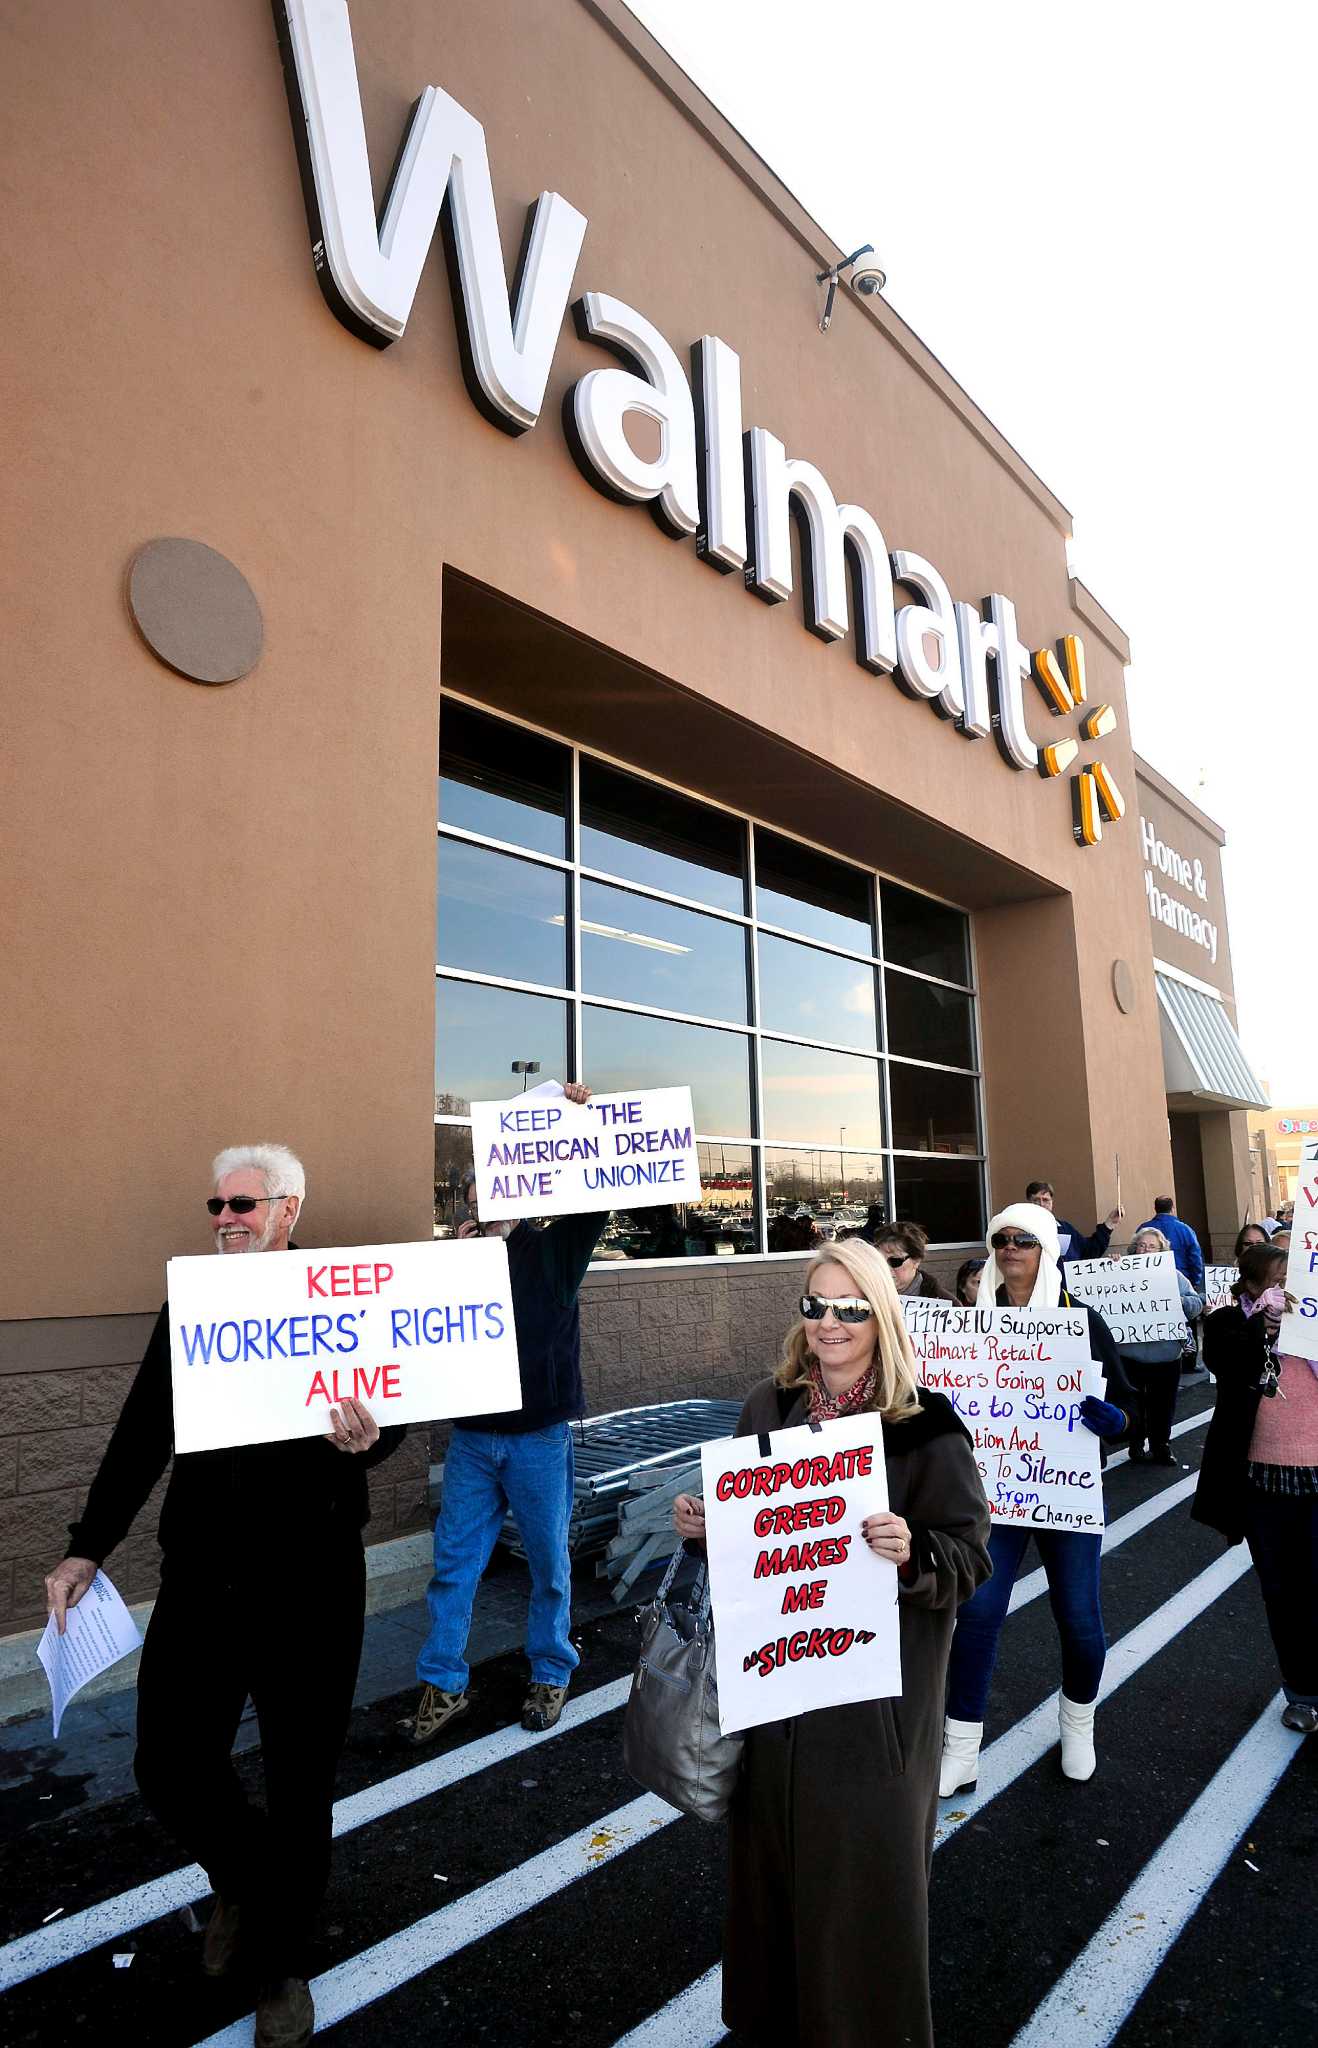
(841, 1162)
(525, 1067)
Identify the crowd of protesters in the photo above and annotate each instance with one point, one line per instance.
(216, 1637)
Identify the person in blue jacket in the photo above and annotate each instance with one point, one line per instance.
(1072, 1244)
(1185, 1246)
(521, 1460)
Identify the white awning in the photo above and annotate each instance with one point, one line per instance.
(1201, 1054)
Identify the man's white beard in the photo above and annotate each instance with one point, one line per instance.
(261, 1244)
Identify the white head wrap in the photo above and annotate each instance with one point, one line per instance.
(1040, 1223)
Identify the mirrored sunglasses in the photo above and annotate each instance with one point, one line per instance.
(848, 1308)
(1022, 1240)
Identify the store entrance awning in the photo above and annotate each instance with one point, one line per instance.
(1202, 1058)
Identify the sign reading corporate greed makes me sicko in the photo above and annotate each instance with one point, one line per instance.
(263, 1346)
(540, 1155)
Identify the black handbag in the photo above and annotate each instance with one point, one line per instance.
(671, 1742)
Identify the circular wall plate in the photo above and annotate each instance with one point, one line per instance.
(1123, 986)
(195, 610)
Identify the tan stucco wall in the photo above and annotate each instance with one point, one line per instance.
(225, 897)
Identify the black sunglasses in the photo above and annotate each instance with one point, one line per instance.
(903, 1260)
(1020, 1238)
(241, 1205)
(848, 1308)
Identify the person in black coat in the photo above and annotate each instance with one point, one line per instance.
(262, 1594)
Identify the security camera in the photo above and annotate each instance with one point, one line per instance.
(868, 276)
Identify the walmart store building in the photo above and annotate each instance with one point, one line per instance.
(572, 658)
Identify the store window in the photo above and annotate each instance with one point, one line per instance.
(593, 922)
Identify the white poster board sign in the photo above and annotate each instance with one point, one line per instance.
(1138, 1297)
(263, 1345)
(1299, 1330)
(540, 1155)
(1016, 1377)
(805, 1615)
(1218, 1282)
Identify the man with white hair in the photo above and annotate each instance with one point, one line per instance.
(262, 1595)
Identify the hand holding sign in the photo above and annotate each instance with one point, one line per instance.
(353, 1428)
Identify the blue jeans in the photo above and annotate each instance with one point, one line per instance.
(486, 1472)
(1070, 1559)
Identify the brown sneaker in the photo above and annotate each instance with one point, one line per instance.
(542, 1706)
(220, 1948)
(285, 2015)
(435, 1711)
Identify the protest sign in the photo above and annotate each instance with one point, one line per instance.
(1138, 1297)
(1016, 1377)
(1299, 1329)
(805, 1615)
(97, 1633)
(541, 1155)
(263, 1345)
(1218, 1282)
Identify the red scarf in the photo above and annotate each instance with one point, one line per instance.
(826, 1407)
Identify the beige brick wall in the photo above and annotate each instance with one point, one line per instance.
(646, 1335)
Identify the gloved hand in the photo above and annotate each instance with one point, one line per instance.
(1101, 1416)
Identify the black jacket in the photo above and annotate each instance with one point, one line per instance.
(227, 1510)
(1234, 1349)
(546, 1268)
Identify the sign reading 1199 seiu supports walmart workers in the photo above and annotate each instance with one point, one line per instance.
(263, 1346)
(541, 1155)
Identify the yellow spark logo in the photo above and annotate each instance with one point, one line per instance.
(1094, 792)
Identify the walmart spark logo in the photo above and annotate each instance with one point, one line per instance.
(1094, 792)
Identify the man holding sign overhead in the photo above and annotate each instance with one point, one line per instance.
(262, 1594)
(521, 1461)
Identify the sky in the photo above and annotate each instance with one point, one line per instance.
(1099, 218)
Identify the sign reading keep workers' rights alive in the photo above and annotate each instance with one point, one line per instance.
(1016, 1377)
(805, 1615)
(1138, 1296)
(541, 1155)
(1299, 1328)
(263, 1346)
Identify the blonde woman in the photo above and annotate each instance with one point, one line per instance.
(827, 1932)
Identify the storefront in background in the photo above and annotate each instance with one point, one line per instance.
(622, 680)
(1276, 1144)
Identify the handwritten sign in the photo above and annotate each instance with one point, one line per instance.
(263, 1345)
(1299, 1330)
(805, 1615)
(1138, 1297)
(1218, 1282)
(1016, 1377)
(541, 1155)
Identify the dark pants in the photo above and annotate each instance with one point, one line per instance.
(293, 1647)
(1282, 1533)
(1071, 1561)
(1156, 1388)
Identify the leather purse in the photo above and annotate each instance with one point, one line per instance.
(671, 1743)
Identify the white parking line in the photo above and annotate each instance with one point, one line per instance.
(46, 1947)
(694, 2019)
(363, 1978)
(1114, 1535)
(1087, 2006)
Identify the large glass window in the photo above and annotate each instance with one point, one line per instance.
(640, 950)
(770, 1004)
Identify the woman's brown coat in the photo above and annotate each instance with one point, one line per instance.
(831, 1831)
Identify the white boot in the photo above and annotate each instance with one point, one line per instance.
(961, 1740)
(1077, 1726)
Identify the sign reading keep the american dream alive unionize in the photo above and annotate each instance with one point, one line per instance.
(541, 1155)
(1299, 1328)
(263, 1346)
(805, 1615)
(1016, 1377)
(1138, 1296)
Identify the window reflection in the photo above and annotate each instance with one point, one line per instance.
(649, 834)
(945, 1196)
(811, 1096)
(932, 1111)
(497, 779)
(815, 1195)
(808, 893)
(720, 1225)
(927, 1021)
(501, 915)
(621, 1050)
(480, 1031)
(642, 951)
(818, 995)
(919, 933)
